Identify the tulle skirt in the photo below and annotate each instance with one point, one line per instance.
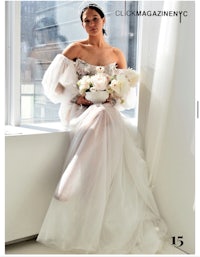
(103, 202)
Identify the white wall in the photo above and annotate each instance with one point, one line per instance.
(33, 167)
(174, 187)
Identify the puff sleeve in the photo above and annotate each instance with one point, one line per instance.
(61, 70)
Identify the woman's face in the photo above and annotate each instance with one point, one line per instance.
(92, 22)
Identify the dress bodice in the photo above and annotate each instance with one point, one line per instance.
(83, 68)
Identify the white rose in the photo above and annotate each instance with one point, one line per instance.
(84, 84)
(132, 76)
(115, 86)
(100, 81)
(120, 85)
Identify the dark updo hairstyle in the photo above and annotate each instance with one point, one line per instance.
(97, 9)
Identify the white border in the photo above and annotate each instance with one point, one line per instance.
(2, 144)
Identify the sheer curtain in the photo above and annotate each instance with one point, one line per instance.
(166, 117)
(157, 74)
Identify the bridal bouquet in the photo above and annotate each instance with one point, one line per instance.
(99, 87)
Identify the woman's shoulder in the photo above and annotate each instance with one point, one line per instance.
(117, 51)
(121, 60)
(72, 51)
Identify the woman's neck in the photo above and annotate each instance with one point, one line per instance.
(97, 42)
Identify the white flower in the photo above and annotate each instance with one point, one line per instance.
(132, 76)
(84, 84)
(99, 81)
(117, 86)
(120, 85)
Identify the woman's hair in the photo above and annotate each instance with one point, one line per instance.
(97, 9)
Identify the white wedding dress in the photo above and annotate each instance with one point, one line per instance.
(103, 202)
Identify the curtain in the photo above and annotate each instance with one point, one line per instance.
(166, 117)
(158, 56)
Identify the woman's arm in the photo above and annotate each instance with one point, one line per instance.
(59, 89)
(121, 60)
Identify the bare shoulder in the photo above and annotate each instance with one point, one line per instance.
(121, 60)
(72, 51)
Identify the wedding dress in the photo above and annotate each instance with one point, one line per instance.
(103, 202)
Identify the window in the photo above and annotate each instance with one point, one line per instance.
(45, 29)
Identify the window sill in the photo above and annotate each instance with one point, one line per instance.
(51, 127)
(31, 129)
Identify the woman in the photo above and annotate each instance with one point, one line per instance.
(103, 203)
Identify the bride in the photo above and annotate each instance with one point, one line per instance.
(103, 202)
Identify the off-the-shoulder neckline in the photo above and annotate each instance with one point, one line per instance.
(78, 59)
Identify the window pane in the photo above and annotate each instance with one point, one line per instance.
(47, 27)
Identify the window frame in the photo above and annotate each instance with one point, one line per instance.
(12, 51)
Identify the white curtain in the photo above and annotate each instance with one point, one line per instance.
(158, 56)
(167, 113)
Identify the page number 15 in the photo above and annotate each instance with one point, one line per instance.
(177, 241)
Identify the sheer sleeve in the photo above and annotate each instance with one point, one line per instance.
(62, 71)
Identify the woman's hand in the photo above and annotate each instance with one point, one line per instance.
(111, 100)
(82, 101)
